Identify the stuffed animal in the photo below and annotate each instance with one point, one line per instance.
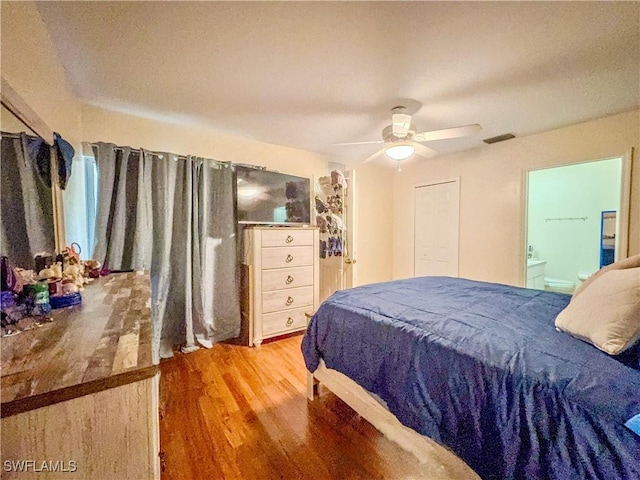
(74, 274)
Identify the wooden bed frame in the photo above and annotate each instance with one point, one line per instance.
(443, 463)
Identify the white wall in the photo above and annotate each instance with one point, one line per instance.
(575, 191)
(375, 234)
(30, 64)
(10, 123)
(122, 129)
(491, 193)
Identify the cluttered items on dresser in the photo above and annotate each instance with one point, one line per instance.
(29, 295)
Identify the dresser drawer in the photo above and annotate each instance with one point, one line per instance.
(284, 237)
(283, 299)
(279, 278)
(279, 257)
(288, 320)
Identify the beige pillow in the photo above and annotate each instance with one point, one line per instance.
(631, 262)
(607, 314)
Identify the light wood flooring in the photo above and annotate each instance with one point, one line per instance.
(235, 412)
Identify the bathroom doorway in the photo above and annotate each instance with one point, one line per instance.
(565, 210)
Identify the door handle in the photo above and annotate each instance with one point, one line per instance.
(349, 261)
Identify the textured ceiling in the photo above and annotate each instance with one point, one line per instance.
(310, 74)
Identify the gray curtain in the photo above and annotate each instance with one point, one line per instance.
(27, 204)
(177, 214)
(123, 229)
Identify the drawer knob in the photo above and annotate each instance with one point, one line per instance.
(289, 301)
(289, 280)
(289, 239)
(289, 258)
(289, 321)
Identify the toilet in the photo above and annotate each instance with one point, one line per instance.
(582, 276)
(558, 285)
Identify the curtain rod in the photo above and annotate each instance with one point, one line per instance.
(18, 135)
(184, 157)
(160, 154)
(10, 134)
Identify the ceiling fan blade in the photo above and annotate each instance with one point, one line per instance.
(356, 143)
(374, 156)
(455, 132)
(424, 151)
(400, 124)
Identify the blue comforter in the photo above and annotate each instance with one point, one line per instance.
(480, 368)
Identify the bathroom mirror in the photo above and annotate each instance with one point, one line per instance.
(607, 238)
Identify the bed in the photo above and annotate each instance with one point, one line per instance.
(481, 369)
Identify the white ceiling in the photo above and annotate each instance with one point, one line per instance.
(310, 74)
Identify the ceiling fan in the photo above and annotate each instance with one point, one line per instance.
(403, 141)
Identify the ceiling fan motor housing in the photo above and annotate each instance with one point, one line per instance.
(388, 136)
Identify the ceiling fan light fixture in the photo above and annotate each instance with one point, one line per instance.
(399, 152)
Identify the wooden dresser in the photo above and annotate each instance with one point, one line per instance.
(80, 394)
(282, 280)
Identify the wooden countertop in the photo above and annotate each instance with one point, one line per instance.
(103, 343)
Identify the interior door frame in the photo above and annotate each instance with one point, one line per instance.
(350, 271)
(455, 180)
(622, 227)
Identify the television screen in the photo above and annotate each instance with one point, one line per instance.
(271, 197)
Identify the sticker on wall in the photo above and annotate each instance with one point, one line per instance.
(329, 210)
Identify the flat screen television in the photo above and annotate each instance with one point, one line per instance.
(265, 197)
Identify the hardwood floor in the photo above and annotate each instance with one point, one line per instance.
(235, 412)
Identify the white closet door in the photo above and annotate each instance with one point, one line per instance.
(437, 211)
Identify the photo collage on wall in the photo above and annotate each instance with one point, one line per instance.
(330, 213)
